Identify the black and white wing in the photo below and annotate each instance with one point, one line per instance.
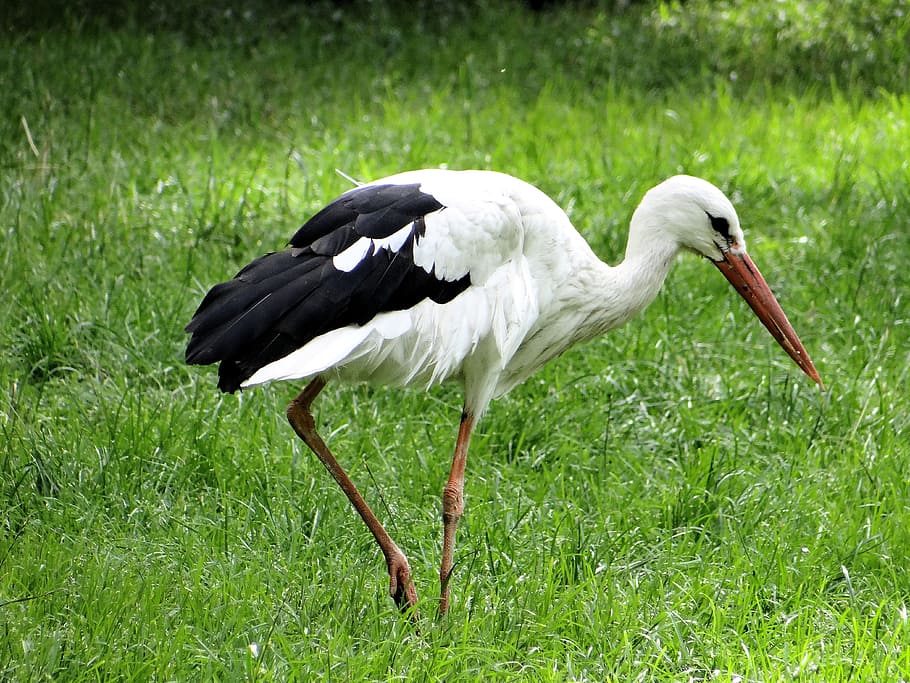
(383, 247)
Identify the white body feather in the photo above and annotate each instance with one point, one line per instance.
(536, 289)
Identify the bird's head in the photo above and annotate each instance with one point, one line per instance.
(694, 215)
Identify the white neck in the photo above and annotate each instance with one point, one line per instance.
(624, 290)
(595, 298)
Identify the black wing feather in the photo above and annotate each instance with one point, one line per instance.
(283, 300)
(375, 210)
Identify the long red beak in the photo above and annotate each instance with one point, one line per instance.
(748, 281)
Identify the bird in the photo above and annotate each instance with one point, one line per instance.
(472, 276)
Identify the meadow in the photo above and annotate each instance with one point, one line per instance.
(674, 501)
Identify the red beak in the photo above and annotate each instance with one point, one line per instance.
(748, 281)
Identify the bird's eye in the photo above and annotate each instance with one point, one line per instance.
(720, 224)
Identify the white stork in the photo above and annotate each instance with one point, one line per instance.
(473, 276)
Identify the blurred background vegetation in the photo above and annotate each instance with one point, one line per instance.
(802, 43)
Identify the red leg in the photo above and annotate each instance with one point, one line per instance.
(453, 507)
(400, 586)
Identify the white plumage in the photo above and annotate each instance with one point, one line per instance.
(474, 276)
(532, 275)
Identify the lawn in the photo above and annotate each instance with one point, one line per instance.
(675, 501)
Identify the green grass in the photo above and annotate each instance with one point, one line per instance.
(671, 502)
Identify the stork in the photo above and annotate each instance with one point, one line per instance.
(472, 276)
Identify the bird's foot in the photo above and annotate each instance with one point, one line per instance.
(401, 586)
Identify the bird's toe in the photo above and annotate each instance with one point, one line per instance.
(401, 586)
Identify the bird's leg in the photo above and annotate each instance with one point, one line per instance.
(453, 507)
(401, 587)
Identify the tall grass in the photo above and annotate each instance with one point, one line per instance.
(672, 501)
